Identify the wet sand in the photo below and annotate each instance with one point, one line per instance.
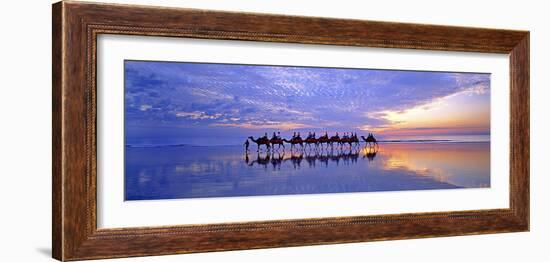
(226, 171)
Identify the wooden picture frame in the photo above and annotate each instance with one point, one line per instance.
(76, 26)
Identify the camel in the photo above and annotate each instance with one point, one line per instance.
(350, 140)
(261, 141)
(295, 141)
(370, 140)
(323, 140)
(334, 139)
(354, 140)
(344, 141)
(311, 140)
(278, 142)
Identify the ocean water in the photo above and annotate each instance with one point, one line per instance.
(174, 172)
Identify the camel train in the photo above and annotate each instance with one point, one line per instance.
(311, 141)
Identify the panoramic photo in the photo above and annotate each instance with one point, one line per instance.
(198, 130)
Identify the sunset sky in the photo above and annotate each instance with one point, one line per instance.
(222, 104)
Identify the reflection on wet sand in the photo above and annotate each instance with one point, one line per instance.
(296, 157)
(462, 164)
(190, 172)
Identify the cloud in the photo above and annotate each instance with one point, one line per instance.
(197, 115)
(145, 107)
(267, 125)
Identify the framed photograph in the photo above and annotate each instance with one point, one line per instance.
(181, 130)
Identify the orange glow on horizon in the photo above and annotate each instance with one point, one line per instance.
(447, 115)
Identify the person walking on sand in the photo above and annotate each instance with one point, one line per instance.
(246, 144)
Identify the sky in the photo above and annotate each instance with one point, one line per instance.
(222, 104)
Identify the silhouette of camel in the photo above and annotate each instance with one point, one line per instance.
(355, 140)
(295, 141)
(351, 141)
(261, 141)
(344, 141)
(323, 140)
(278, 142)
(311, 140)
(370, 140)
(334, 139)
